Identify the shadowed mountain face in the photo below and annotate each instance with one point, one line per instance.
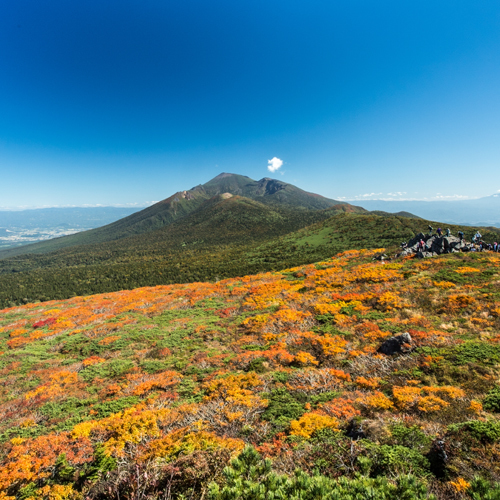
(269, 192)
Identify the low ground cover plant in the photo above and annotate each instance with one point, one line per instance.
(261, 386)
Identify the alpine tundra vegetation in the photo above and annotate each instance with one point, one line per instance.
(262, 386)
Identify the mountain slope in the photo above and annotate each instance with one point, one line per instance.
(195, 249)
(159, 388)
(221, 221)
(179, 205)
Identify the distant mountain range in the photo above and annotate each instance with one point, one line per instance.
(74, 217)
(21, 227)
(480, 212)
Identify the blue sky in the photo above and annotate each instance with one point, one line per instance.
(123, 102)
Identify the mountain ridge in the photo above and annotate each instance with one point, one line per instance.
(481, 211)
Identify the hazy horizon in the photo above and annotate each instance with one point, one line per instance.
(359, 198)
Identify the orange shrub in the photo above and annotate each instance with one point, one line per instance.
(367, 383)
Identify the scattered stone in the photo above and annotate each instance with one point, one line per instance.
(395, 345)
(355, 429)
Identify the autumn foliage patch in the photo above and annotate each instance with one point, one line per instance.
(158, 390)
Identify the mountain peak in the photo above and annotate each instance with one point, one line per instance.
(224, 175)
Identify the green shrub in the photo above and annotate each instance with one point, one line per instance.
(476, 352)
(101, 464)
(411, 437)
(63, 472)
(257, 365)
(281, 377)
(324, 397)
(492, 400)
(71, 406)
(153, 366)
(111, 369)
(484, 431)
(114, 406)
(482, 489)
(282, 408)
(29, 491)
(393, 461)
(249, 477)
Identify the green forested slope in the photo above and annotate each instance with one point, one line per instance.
(212, 244)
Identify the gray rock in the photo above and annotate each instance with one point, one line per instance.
(413, 243)
(425, 254)
(396, 345)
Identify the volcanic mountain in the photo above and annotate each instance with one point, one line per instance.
(274, 194)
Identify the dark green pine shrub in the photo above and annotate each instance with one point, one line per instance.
(282, 408)
(393, 461)
(491, 401)
(249, 477)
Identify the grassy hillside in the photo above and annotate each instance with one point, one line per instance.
(150, 393)
(226, 239)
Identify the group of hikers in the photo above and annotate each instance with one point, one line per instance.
(477, 243)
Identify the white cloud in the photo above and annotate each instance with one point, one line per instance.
(367, 195)
(440, 196)
(274, 164)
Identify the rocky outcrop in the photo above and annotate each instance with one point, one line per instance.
(396, 345)
(434, 245)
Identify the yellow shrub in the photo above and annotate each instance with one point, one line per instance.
(58, 492)
(465, 270)
(460, 485)
(310, 422)
(444, 284)
(405, 397)
(379, 401)
(184, 441)
(305, 359)
(431, 403)
(475, 407)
